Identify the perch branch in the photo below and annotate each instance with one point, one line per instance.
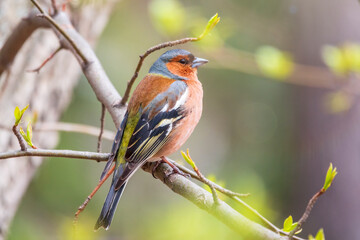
(204, 200)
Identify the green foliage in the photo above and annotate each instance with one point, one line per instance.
(18, 114)
(274, 63)
(210, 25)
(342, 60)
(168, 16)
(319, 236)
(28, 136)
(330, 175)
(289, 225)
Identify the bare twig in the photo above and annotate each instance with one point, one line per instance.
(53, 4)
(69, 127)
(141, 60)
(56, 153)
(216, 186)
(306, 214)
(37, 70)
(101, 127)
(19, 138)
(87, 200)
(203, 178)
(63, 33)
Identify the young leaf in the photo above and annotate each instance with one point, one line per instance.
(29, 131)
(330, 175)
(210, 25)
(188, 159)
(28, 135)
(289, 225)
(18, 114)
(319, 236)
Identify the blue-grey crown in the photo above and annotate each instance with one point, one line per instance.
(159, 67)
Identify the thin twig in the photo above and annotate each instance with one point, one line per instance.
(53, 4)
(306, 214)
(19, 138)
(85, 203)
(216, 186)
(56, 153)
(204, 180)
(37, 70)
(57, 26)
(141, 60)
(69, 127)
(101, 126)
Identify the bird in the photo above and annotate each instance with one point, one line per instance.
(162, 113)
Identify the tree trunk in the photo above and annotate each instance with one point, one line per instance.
(325, 137)
(48, 93)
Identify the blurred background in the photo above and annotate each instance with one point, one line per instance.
(280, 103)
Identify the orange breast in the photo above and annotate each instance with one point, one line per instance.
(183, 130)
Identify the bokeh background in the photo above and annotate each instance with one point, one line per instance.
(279, 106)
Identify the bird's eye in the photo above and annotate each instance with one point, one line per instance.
(183, 61)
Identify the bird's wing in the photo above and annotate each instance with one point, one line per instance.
(115, 146)
(153, 128)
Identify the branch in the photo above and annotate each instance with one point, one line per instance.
(37, 70)
(94, 72)
(19, 137)
(56, 153)
(101, 127)
(18, 37)
(176, 182)
(204, 200)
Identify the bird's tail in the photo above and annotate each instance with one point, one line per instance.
(108, 210)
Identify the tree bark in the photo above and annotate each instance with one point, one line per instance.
(48, 93)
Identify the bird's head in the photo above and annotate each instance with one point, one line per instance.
(177, 64)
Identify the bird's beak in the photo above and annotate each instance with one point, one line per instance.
(198, 62)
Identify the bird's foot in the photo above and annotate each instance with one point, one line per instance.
(175, 169)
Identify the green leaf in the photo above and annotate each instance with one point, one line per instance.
(29, 131)
(274, 63)
(319, 236)
(210, 25)
(288, 225)
(330, 175)
(18, 114)
(188, 159)
(28, 135)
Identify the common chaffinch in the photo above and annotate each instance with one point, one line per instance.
(162, 113)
